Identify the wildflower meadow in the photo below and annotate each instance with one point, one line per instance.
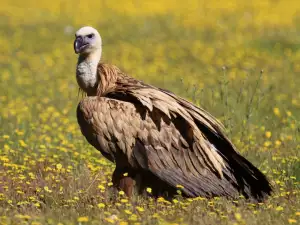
(238, 59)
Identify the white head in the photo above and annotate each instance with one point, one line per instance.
(88, 41)
(88, 45)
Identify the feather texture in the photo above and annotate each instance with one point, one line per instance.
(164, 140)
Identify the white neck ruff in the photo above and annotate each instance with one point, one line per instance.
(86, 72)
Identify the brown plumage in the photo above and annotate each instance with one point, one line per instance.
(161, 140)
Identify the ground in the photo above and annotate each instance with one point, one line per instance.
(240, 60)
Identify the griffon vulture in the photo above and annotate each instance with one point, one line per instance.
(155, 138)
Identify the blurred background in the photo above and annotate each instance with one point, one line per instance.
(239, 59)
(161, 42)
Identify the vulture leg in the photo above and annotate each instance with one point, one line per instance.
(158, 187)
(123, 180)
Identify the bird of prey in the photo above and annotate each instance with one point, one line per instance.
(155, 138)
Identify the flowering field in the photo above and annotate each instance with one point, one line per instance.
(238, 59)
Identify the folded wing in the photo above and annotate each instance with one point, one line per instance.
(153, 130)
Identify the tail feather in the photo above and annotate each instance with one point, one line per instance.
(251, 182)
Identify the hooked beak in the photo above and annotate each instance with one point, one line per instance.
(79, 45)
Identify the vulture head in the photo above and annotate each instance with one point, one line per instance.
(87, 41)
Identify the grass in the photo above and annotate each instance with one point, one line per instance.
(239, 60)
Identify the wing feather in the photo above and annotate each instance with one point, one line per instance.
(179, 143)
(154, 153)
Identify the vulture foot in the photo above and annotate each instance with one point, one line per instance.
(123, 180)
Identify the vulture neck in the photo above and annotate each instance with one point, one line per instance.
(86, 72)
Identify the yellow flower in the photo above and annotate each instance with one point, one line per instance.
(101, 187)
(25, 217)
(276, 111)
(140, 209)
(83, 219)
(101, 205)
(46, 188)
(123, 223)
(179, 186)
(22, 143)
(267, 143)
(160, 199)
(123, 200)
(109, 220)
(18, 132)
(38, 223)
(155, 215)
(125, 174)
(133, 217)
(279, 208)
(149, 190)
(288, 113)
(127, 211)
(268, 134)
(277, 143)
(238, 216)
(58, 166)
(292, 221)
(121, 192)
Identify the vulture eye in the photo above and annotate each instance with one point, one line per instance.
(90, 35)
